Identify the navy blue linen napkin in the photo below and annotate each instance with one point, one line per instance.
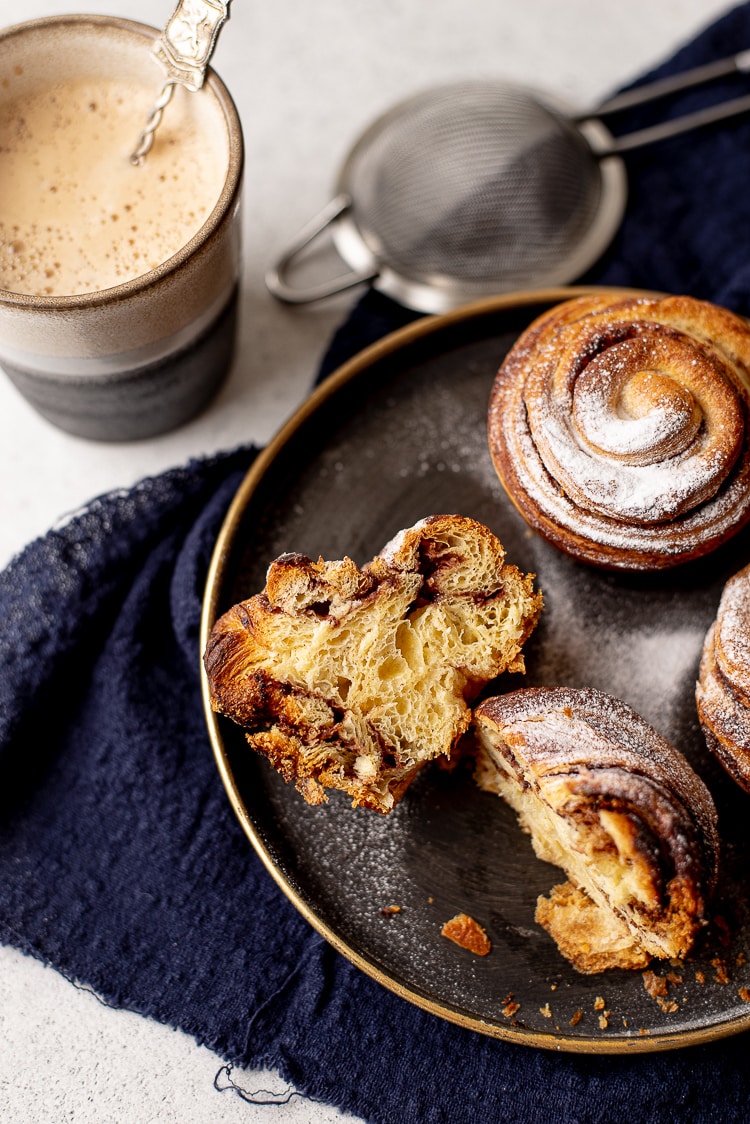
(121, 861)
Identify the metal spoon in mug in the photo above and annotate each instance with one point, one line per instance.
(183, 50)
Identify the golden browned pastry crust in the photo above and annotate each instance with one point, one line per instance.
(723, 689)
(591, 938)
(354, 679)
(619, 427)
(618, 808)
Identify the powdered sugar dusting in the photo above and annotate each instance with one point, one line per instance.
(579, 727)
(722, 694)
(648, 657)
(733, 639)
(557, 730)
(722, 712)
(625, 433)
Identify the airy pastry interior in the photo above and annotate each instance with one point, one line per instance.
(356, 678)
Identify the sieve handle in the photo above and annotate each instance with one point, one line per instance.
(276, 277)
(642, 95)
(678, 125)
(686, 80)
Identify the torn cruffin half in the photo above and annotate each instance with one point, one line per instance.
(619, 809)
(355, 678)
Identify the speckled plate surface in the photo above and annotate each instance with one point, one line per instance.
(396, 434)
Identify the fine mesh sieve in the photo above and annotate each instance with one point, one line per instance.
(483, 187)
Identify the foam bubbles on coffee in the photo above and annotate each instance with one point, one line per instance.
(75, 215)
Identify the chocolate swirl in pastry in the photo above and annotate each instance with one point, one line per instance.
(619, 428)
(723, 690)
(606, 798)
(354, 679)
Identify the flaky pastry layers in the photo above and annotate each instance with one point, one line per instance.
(619, 428)
(354, 679)
(723, 690)
(613, 804)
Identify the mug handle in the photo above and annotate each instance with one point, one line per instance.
(276, 277)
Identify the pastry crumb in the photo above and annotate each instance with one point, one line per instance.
(603, 1022)
(599, 1003)
(576, 1017)
(390, 910)
(721, 976)
(545, 1011)
(467, 933)
(700, 976)
(744, 994)
(658, 988)
(655, 985)
(510, 1007)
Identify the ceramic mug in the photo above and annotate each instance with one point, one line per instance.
(97, 347)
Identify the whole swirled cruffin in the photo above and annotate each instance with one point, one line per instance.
(619, 427)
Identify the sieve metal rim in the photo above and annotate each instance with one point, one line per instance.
(360, 249)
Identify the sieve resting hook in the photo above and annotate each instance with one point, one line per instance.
(276, 277)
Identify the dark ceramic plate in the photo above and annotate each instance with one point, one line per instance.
(397, 434)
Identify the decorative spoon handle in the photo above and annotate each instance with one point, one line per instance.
(188, 40)
(183, 50)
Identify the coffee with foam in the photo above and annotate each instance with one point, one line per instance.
(75, 215)
(118, 284)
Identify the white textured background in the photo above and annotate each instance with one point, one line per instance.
(307, 76)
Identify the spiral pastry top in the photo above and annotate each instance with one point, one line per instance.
(606, 798)
(723, 690)
(619, 427)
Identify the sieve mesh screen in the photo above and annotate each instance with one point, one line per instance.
(478, 182)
